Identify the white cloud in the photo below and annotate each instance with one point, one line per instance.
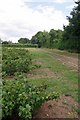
(70, 7)
(56, 1)
(18, 20)
(63, 1)
(59, 1)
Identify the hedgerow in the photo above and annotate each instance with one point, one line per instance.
(14, 45)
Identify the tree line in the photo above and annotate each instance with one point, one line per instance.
(68, 38)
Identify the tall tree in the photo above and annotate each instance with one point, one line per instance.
(46, 39)
(5, 42)
(37, 39)
(52, 37)
(71, 36)
(23, 40)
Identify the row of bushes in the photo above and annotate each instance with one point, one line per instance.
(15, 60)
(20, 45)
(21, 97)
(18, 96)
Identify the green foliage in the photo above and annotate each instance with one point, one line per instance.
(15, 60)
(71, 36)
(19, 95)
(37, 39)
(34, 66)
(5, 42)
(52, 37)
(19, 45)
(47, 39)
(55, 39)
(24, 40)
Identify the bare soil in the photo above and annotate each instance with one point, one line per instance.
(41, 73)
(70, 61)
(64, 107)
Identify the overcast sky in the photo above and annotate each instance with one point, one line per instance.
(24, 18)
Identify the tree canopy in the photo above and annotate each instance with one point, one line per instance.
(71, 35)
(47, 39)
(23, 40)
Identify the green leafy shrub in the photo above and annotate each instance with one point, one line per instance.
(15, 60)
(34, 66)
(14, 45)
(19, 95)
